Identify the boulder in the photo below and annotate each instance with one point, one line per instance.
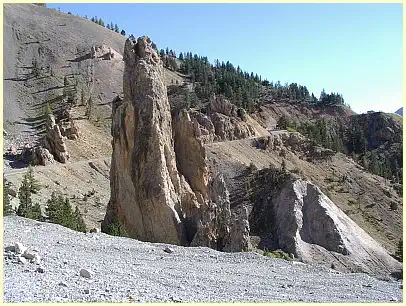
(85, 273)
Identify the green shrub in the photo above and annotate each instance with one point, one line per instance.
(116, 229)
(277, 254)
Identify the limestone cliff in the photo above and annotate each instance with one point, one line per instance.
(161, 190)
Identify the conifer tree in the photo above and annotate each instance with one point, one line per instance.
(33, 183)
(399, 250)
(79, 223)
(7, 208)
(89, 108)
(35, 212)
(24, 195)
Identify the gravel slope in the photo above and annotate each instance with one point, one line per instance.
(128, 270)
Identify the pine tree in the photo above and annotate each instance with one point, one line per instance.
(53, 208)
(35, 212)
(108, 26)
(89, 108)
(7, 208)
(399, 250)
(283, 166)
(116, 29)
(122, 32)
(33, 183)
(82, 97)
(24, 195)
(28, 186)
(78, 222)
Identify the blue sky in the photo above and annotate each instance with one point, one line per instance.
(353, 49)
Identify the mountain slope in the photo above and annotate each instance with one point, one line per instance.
(54, 43)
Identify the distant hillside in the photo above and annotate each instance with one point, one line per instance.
(45, 49)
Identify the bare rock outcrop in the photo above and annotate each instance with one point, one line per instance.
(51, 147)
(308, 224)
(41, 156)
(190, 153)
(161, 190)
(221, 120)
(69, 129)
(145, 185)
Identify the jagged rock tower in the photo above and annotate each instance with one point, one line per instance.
(150, 198)
(144, 180)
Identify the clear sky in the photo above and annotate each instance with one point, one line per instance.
(353, 49)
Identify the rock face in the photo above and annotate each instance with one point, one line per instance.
(144, 181)
(161, 190)
(307, 224)
(69, 129)
(41, 156)
(54, 141)
(221, 120)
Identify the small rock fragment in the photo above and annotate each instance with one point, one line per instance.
(85, 273)
(168, 250)
(86, 291)
(22, 260)
(40, 270)
(94, 230)
(29, 254)
(37, 259)
(19, 248)
(10, 248)
(63, 284)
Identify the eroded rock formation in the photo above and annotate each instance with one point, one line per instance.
(53, 143)
(161, 189)
(306, 223)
